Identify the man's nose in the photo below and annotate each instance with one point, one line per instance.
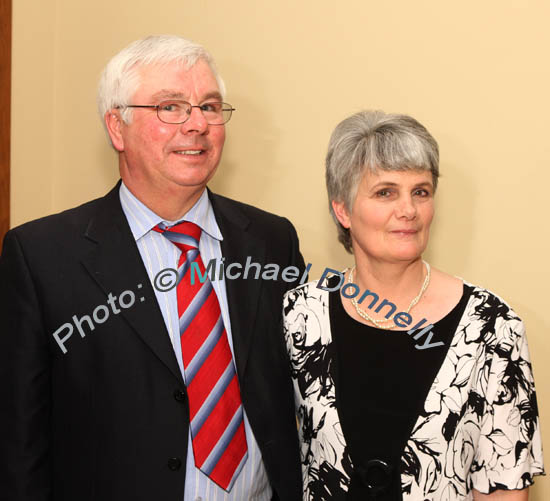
(196, 122)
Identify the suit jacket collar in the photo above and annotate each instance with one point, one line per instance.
(116, 265)
(239, 242)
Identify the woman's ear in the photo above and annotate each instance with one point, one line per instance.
(342, 213)
(114, 124)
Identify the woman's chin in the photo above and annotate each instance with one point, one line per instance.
(407, 254)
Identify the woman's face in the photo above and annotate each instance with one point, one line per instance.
(391, 215)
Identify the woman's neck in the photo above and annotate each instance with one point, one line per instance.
(399, 282)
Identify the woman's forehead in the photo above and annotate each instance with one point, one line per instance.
(396, 177)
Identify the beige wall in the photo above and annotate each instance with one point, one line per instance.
(475, 73)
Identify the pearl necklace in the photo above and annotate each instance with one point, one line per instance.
(381, 323)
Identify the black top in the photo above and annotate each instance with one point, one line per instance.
(381, 382)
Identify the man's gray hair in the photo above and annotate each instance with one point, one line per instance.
(370, 141)
(120, 80)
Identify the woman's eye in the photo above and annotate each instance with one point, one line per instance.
(383, 193)
(422, 193)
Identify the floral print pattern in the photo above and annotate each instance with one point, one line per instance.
(479, 427)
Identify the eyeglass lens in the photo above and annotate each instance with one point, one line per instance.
(174, 112)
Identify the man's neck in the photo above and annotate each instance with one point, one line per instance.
(170, 204)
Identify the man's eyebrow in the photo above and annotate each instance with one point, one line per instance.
(213, 95)
(167, 94)
(171, 94)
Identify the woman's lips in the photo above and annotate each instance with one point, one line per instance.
(404, 233)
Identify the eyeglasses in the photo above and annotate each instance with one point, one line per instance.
(178, 112)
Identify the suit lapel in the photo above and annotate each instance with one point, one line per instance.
(116, 265)
(242, 295)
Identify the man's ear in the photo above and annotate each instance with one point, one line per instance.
(114, 124)
(342, 213)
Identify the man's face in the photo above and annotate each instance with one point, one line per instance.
(160, 157)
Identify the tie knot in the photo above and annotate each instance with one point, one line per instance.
(184, 235)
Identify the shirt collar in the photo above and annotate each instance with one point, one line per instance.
(142, 219)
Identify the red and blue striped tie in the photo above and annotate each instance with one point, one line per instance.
(215, 406)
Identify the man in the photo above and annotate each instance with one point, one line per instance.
(112, 389)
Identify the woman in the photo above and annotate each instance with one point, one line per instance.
(388, 411)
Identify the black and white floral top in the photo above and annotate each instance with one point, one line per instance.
(479, 427)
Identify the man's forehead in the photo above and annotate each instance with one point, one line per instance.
(175, 80)
(164, 94)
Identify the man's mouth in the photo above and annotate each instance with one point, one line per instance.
(189, 152)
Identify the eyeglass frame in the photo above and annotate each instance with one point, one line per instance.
(157, 107)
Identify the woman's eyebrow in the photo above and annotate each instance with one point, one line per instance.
(391, 183)
(383, 183)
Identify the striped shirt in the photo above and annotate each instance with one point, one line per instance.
(159, 253)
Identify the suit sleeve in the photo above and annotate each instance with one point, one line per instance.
(296, 258)
(25, 391)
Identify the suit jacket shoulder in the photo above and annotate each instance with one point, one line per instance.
(257, 220)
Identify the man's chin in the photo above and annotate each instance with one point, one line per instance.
(190, 178)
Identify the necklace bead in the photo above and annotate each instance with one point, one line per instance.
(381, 324)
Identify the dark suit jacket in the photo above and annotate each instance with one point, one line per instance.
(109, 419)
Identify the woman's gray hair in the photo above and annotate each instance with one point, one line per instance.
(372, 141)
(120, 79)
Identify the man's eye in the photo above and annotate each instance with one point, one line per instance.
(170, 107)
(212, 107)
